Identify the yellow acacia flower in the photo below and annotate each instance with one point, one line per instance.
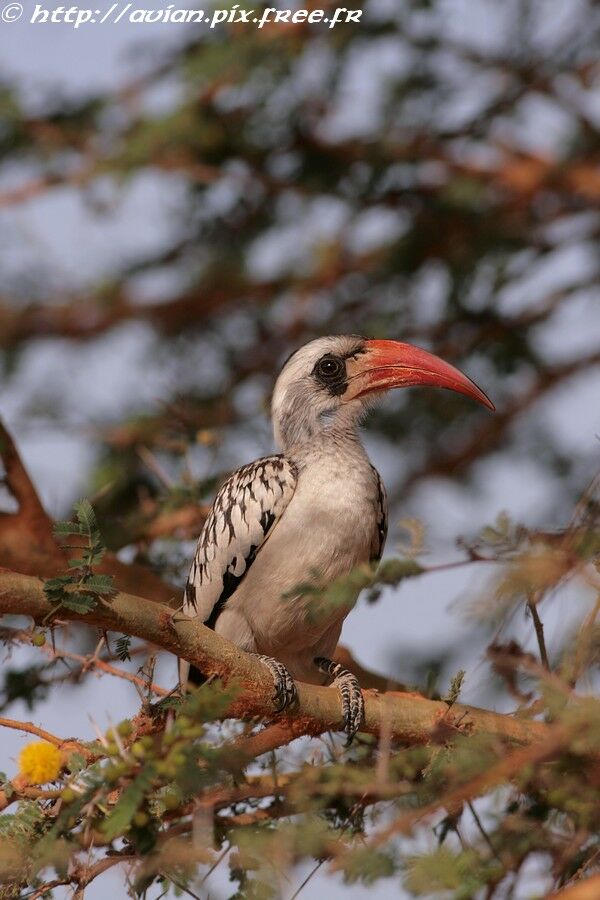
(40, 762)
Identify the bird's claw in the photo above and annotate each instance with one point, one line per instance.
(285, 688)
(353, 704)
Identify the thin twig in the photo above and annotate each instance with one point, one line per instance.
(182, 887)
(30, 728)
(583, 643)
(307, 879)
(49, 886)
(151, 463)
(94, 662)
(216, 863)
(539, 630)
(85, 876)
(482, 830)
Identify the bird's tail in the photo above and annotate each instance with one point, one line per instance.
(189, 675)
(183, 667)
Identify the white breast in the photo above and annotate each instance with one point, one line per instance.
(326, 530)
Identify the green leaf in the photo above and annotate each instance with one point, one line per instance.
(122, 647)
(66, 528)
(58, 583)
(393, 571)
(367, 865)
(86, 515)
(443, 871)
(76, 763)
(209, 701)
(120, 818)
(55, 588)
(97, 551)
(100, 584)
(455, 688)
(79, 603)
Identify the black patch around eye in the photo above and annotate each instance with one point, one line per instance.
(330, 371)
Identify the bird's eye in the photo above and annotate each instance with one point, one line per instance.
(329, 368)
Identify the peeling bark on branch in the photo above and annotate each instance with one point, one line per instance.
(410, 717)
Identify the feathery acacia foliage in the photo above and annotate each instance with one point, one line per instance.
(170, 791)
(79, 589)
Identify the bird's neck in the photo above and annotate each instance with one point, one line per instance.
(299, 427)
(335, 440)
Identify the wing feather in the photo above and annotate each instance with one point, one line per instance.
(381, 526)
(245, 510)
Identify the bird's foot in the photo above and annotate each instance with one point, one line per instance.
(285, 689)
(353, 704)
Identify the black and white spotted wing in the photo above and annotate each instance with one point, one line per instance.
(246, 508)
(381, 527)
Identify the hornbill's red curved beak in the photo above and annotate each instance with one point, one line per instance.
(390, 364)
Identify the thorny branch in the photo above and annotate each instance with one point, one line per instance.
(412, 718)
(30, 728)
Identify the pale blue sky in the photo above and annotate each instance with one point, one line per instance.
(78, 244)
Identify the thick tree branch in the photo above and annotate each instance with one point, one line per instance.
(588, 889)
(27, 545)
(27, 542)
(410, 717)
(30, 516)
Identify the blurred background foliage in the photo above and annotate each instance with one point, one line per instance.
(430, 175)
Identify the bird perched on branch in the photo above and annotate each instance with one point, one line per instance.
(318, 508)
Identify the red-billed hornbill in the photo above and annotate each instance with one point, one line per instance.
(318, 507)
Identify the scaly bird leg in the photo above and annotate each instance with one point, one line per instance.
(285, 689)
(353, 705)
